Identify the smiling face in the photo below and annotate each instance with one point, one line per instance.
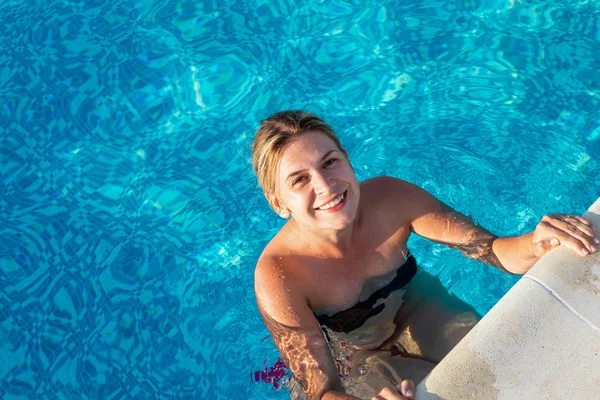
(316, 183)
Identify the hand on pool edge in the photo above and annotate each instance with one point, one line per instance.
(575, 232)
(404, 391)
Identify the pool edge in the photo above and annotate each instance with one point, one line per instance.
(541, 340)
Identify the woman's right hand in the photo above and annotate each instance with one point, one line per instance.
(404, 391)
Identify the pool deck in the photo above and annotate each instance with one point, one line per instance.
(540, 341)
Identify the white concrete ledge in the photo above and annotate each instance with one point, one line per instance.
(541, 341)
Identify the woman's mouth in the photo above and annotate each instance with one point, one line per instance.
(335, 204)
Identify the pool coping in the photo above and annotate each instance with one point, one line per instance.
(541, 340)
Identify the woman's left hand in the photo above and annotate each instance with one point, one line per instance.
(573, 231)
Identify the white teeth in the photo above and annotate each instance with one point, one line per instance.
(333, 203)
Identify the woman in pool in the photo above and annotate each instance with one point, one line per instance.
(352, 315)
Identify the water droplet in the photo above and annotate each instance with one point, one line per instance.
(363, 370)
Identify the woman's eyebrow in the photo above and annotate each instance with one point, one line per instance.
(302, 170)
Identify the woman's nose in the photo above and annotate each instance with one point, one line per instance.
(323, 183)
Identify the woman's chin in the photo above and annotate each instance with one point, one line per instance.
(341, 221)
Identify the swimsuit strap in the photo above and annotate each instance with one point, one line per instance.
(355, 316)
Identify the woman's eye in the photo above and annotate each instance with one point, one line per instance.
(329, 162)
(298, 180)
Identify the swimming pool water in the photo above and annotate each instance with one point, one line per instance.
(130, 220)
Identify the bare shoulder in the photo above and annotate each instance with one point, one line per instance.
(399, 196)
(269, 270)
(390, 185)
(387, 185)
(279, 292)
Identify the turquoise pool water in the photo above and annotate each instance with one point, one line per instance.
(130, 220)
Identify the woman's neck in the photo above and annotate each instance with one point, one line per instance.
(335, 243)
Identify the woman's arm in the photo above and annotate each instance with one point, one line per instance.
(575, 232)
(296, 332)
(438, 222)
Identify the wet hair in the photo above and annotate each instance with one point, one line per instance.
(275, 134)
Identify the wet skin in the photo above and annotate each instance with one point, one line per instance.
(329, 256)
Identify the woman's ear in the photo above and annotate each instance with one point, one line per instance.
(284, 213)
(278, 206)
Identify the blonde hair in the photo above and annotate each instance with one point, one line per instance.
(275, 134)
